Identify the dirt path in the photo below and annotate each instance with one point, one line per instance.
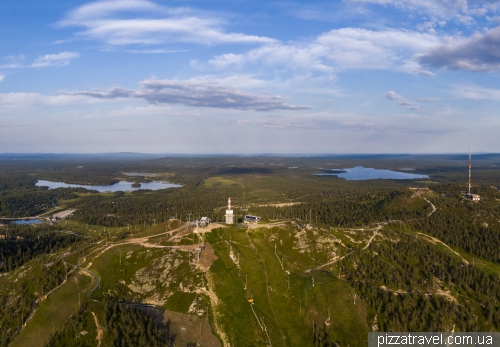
(143, 241)
(433, 207)
(185, 226)
(206, 260)
(438, 290)
(214, 302)
(100, 332)
(435, 240)
(375, 233)
(267, 225)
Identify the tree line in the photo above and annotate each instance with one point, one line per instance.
(415, 269)
(18, 298)
(16, 250)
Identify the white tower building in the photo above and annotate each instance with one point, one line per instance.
(229, 212)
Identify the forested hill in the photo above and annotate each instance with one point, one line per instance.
(336, 258)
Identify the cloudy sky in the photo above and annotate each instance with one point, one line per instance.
(248, 76)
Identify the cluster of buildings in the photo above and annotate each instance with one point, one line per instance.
(230, 216)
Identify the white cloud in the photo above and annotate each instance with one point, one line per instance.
(106, 8)
(340, 49)
(217, 93)
(313, 121)
(424, 72)
(440, 8)
(157, 51)
(479, 53)
(23, 100)
(118, 22)
(402, 101)
(429, 99)
(11, 66)
(2, 77)
(59, 59)
(476, 93)
(196, 94)
(12, 61)
(493, 19)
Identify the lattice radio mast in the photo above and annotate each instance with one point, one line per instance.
(470, 167)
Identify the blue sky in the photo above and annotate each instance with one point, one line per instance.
(216, 76)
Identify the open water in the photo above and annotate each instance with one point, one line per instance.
(27, 221)
(123, 186)
(359, 173)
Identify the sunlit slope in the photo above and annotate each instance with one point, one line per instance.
(53, 313)
(290, 306)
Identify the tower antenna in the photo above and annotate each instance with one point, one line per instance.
(470, 166)
(229, 212)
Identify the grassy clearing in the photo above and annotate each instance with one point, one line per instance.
(292, 304)
(188, 327)
(180, 302)
(221, 181)
(111, 273)
(159, 228)
(56, 309)
(143, 274)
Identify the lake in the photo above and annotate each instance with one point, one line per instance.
(359, 173)
(123, 186)
(27, 221)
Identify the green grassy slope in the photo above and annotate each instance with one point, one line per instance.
(57, 309)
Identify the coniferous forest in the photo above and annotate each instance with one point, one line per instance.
(345, 257)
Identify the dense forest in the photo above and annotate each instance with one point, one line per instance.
(412, 268)
(15, 250)
(406, 283)
(348, 208)
(20, 296)
(125, 327)
(456, 224)
(76, 331)
(130, 327)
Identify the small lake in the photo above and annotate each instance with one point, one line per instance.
(359, 173)
(123, 186)
(27, 221)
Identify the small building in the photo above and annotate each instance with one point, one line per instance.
(473, 197)
(203, 222)
(252, 219)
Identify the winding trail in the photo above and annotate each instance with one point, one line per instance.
(433, 207)
(95, 277)
(100, 332)
(435, 240)
(379, 227)
(375, 233)
(337, 259)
